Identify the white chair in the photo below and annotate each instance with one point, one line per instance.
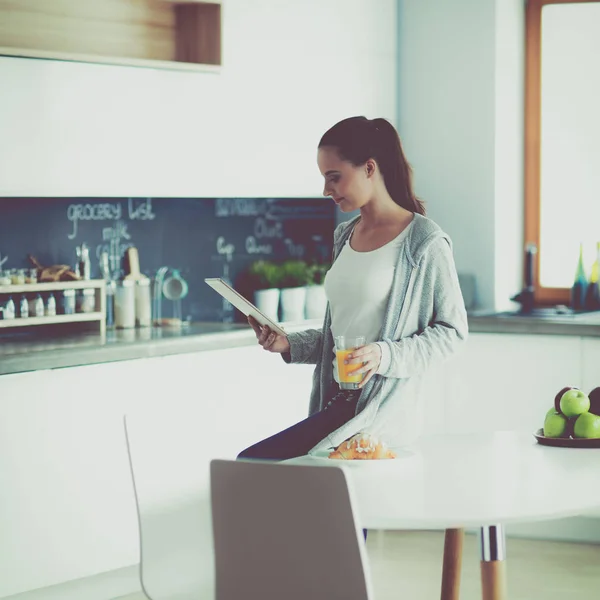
(286, 532)
(170, 473)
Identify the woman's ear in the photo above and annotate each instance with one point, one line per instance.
(371, 167)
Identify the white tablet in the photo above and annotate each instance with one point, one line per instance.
(245, 306)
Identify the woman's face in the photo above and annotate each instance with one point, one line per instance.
(348, 185)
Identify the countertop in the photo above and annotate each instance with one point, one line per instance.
(27, 353)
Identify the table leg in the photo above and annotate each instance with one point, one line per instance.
(453, 546)
(493, 563)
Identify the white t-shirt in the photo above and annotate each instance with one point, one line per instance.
(358, 286)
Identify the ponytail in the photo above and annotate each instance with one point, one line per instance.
(358, 139)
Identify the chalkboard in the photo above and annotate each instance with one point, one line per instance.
(201, 237)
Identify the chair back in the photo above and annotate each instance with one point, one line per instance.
(170, 474)
(286, 531)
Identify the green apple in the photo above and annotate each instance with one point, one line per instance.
(574, 402)
(555, 424)
(559, 395)
(587, 426)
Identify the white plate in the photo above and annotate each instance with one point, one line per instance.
(323, 455)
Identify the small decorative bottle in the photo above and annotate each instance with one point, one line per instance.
(578, 291)
(592, 296)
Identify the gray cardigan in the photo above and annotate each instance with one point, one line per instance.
(424, 323)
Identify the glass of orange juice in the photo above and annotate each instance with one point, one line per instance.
(343, 347)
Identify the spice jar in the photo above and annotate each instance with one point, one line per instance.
(17, 276)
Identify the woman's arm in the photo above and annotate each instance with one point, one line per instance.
(305, 347)
(448, 327)
(302, 347)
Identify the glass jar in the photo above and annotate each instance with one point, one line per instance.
(5, 278)
(32, 276)
(17, 277)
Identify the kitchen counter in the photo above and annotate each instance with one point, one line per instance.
(580, 325)
(33, 354)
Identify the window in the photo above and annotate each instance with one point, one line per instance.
(562, 140)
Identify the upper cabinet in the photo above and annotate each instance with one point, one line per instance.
(167, 34)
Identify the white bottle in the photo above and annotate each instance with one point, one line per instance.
(23, 308)
(51, 306)
(39, 306)
(9, 309)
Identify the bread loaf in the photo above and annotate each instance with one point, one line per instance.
(362, 446)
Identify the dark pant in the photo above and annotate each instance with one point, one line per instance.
(298, 439)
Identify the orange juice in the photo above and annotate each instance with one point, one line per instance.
(345, 370)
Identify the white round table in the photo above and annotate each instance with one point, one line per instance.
(484, 480)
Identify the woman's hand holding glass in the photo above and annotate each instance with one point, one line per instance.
(268, 339)
(369, 357)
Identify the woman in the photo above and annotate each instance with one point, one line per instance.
(393, 279)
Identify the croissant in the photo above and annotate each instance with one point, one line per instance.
(362, 446)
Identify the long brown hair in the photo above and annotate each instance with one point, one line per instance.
(357, 139)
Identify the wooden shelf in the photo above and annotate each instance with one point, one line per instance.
(31, 321)
(99, 315)
(110, 60)
(159, 34)
(31, 288)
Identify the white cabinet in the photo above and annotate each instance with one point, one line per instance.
(590, 360)
(67, 507)
(504, 382)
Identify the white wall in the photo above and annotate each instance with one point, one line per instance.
(290, 70)
(460, 117)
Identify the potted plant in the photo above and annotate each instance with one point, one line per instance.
(264, 277)
(294, 277)
(316, 300)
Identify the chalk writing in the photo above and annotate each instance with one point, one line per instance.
(253, 247)
(295, 250)
(240, 207)
(2, 260)
(115, 241)
(140, 210)
(92, 212)
(225, 249)
(264, 229)
(281, 210)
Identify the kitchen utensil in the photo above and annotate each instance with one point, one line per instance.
(83, 261)
(175, 287)
(133, 265)
(104, 266)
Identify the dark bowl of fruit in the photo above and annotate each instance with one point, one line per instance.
(573, 421)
